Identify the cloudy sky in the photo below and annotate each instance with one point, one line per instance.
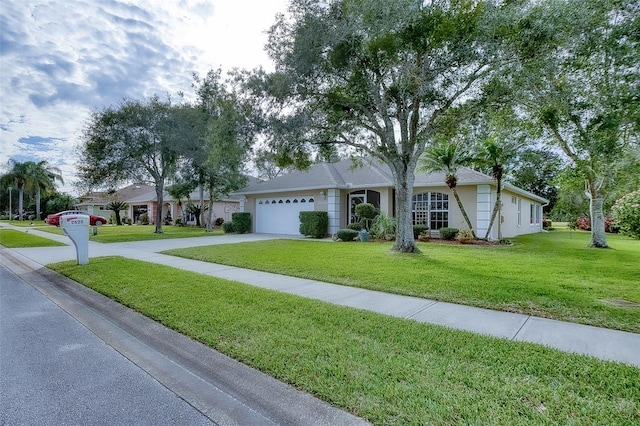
(62, 59)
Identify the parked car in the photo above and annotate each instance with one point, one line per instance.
(54, 219)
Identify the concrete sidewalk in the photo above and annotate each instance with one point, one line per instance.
(602, 343)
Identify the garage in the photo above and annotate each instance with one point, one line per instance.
(281, 215)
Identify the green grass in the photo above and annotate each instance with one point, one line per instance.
(553, 275)
(386, 370)
(25, 223)
(18, 239)
(120, 234)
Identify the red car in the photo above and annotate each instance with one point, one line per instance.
(54, 219)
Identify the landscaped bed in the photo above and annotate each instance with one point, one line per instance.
(553, 275)
(387, 370)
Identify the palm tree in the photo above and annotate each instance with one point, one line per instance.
(497, 154)
(42, 176)
(116, 206)
(18, 177)
(448, 157)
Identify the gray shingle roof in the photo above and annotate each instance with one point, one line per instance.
(344, 175)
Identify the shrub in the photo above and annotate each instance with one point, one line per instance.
(366, 212)
(384, 227)
(546, 223)
(449, 233)
(611, 226)
(218, 222)
(346, 234)
(626, 212)
(144, 218)
(464, 236)
(128, 220)
(241, 222)
(583, 223)
(355, 226)
(227, 227)
(178, 221)
(419, 229)
(314, 224)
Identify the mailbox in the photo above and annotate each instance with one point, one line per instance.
(76, 226)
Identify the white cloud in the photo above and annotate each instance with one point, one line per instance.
(62, 59)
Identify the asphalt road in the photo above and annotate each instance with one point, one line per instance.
(70, 356)
(54, 371)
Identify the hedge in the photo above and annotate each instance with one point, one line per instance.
(241, 222)
(346, 235)
(314, 224)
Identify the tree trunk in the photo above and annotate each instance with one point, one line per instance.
(160, 201)
(496, 207)
(404, 178)
(118, 220)
(464, 212)
(20, 203)
(38, 204)
(200, 219)
(209, 222)
(598, 236)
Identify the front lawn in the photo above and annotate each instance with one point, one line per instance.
(386, 370)
(17, 239)
(25, 223)
(127, 233)
(553, 275)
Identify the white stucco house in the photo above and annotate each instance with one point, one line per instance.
(338, 187)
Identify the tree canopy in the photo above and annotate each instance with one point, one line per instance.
(136, 141)
(583, 90)
(379, 77)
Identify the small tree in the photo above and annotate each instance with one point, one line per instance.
(116, 207)
(366, 212)
(626, 212)
(196, 210)
(448, 157)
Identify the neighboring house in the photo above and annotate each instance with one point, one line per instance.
(338, 187)
(142, 199)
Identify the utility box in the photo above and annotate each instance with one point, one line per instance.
(76, 227)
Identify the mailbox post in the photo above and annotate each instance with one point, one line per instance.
(76, 227)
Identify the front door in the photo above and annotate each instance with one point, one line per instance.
(354, 200)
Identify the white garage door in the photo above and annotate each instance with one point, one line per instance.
(280, 215)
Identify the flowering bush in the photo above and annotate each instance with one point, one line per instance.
(626, 212)
(583, 223)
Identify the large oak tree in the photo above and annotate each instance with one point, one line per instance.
(136, 141)
(379, 76)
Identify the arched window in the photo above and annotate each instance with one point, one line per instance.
(430, 209)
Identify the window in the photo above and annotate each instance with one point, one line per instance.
(535, 212)
(430, 209)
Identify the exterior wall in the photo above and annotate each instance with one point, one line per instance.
(516, 218)
(478, 201)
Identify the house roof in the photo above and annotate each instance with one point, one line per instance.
(344, 175)
(140, 194)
